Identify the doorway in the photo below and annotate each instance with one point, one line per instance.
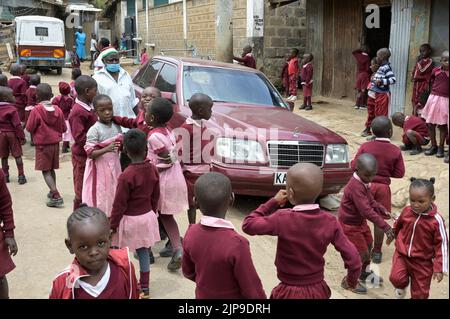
(377, 38)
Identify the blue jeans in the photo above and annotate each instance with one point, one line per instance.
(144, 259)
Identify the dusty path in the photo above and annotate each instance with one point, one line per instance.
(40, 231)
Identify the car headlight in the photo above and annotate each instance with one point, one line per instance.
(240, 150)
(337, 154)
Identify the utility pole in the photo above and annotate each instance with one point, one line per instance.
(224, 30)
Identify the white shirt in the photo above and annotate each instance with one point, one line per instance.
(96, 290)
(98, 63)
(93, 43)
(121, 92)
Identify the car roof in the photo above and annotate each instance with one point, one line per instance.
(37, 18)
(204, 63)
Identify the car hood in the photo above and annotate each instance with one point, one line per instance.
(276, 123)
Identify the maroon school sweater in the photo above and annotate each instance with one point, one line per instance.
(10, 121)
(307, 72)
(31, 96)
(389, 158)
(362, 62)
(137, 192)
(65, 103)
(138, 122)
(220, 263)
(80, 120)
(358, 205)
(6, 212)
(46, 126)
(19, 87)
(439, 81)
(303, 238)
(417, 124)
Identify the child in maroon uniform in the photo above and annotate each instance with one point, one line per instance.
(358, 205)
(415, 132)
(46, 123)
(293, 73)
(81, 118)
(304, 234)
(35, 80)
(24, 74)
(3, 80)
(133, 216)
(363, 76)
(19, 87)
(421, 77)
(12, 136)
(247, 58)
(75, 74)
(74, 59)
(8, 245)
(390, 164)
(435, 111)
(285, 74)
(306, 76)
(97, 272)
(421, 245)
(191, 154)
(148, 94)
(215, 256)
(65, 103)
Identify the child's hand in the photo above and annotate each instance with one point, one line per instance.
(113, 147)
(281, 197)
(379, 82)
(438, 276)
(23, 142)
(12, 245)
(389, 241)
(390, 235)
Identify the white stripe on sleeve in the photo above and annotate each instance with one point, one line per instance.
(444, 244)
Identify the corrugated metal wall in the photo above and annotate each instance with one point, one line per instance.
(399, 45)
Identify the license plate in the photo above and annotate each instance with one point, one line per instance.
(279, 178)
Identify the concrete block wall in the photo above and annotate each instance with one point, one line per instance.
(284, 29)
(166, 27)
(239, 26)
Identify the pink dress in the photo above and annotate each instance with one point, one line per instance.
(173, 198)
(101, 175)
(436, 109)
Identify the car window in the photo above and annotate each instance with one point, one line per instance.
(167, 79)
(231, 86)
(147, 75)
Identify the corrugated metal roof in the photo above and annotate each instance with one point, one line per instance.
(399, 46)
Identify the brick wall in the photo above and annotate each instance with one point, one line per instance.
(166, 27)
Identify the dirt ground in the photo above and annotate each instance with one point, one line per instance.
(40, 231)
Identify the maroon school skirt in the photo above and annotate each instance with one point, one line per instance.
(47, 157)
(319, 290)
(6, 263)
(9, 144)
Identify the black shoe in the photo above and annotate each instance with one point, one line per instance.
(308, 108)
(167, 251)
(405, 147)
(440, 153)
(175, 262)
(367, 132)
(7, 178)
(360, 289)
(302, 107)
(65, 150)
(377, 257)
(55, 202)
(370, 277)
(152, 258)
(431, 151)
(416, 151)
(22, 180)
(144, 293)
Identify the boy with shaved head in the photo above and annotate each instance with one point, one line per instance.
(304, 233)
(357, 206)
(247, 58)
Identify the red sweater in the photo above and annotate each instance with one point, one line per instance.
(303, 238)
(123, 286)
(31, 96)
(248, 60)
(6, 211)
(307, 73)
(423, 236)
(80, 121)
(439, 81)
(137, 192)
(358, 204)
(10, 121)
(362, 62)
(138, 122)
(423, 70)
(65, 103)
(389, 158)
(220, 263)
(46, 126)
(417, 124)
(293, 67)
(19, 87)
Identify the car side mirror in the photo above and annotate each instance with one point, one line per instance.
(172, 97)
(291, 105)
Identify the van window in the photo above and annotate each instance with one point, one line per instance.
(147, 75)
(167, 79)
(41, 32)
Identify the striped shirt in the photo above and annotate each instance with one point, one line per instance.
(387, 77)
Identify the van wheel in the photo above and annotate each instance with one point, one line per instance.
(59, 71)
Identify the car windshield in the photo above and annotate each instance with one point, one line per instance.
(230, 86)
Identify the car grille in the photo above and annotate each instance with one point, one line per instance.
(289, 153)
